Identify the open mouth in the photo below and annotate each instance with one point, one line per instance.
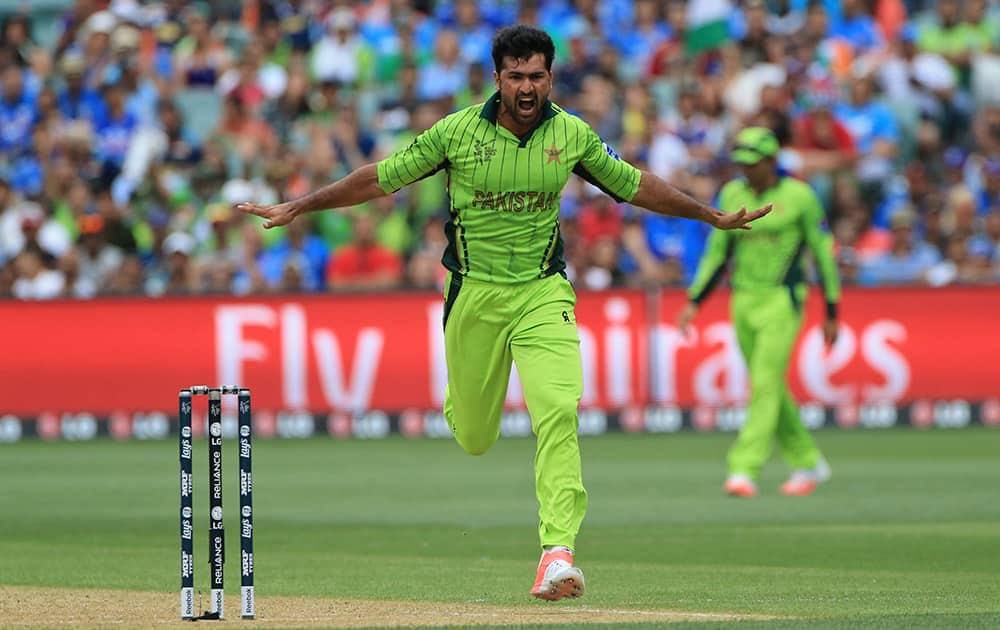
(526, 105)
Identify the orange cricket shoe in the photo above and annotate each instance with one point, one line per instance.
(557, 577)
(802, 483)
(740, 486)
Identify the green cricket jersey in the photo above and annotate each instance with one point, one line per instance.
(504, 191)
(771, 254)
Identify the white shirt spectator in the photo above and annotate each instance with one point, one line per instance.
(667, 154)
(34, 281)
(335, 57)
(46, 285)
(94, 272)
(52, 236)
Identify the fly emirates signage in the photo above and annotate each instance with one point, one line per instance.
(323, 353)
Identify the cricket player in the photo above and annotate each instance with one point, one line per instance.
(768, 293)
(507, 298)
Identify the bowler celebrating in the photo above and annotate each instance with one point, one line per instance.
(507, 298)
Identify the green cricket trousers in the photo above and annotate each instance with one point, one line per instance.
(486, 327)
(767, 323)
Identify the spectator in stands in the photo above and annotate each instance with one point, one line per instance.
(364, 264)
(94, 44)
(824, 147)
(129, 279)
(602, 270)
(180, 275)
(18, 114)
(978, 264)
(873, 128)
(908, 261)
(341, 55)
(94, 259)
(648, 33)
(991, 228)
(444, 76)
(26, 226)
(857, 27)
(15, 32)
(114, 133)
(945, 35)
(307, 253)
(475, 38)
(981, 28)
(34, 280)
(76, 99)
(200, 58)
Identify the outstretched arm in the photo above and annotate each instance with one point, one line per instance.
(360, 186)
(658, 196)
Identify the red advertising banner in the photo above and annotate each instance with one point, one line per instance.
(895, 345)
(350, 353)
(318, 352)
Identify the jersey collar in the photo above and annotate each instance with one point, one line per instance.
(491, 108)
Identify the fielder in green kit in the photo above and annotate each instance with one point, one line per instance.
(507, 298)
(768, 293)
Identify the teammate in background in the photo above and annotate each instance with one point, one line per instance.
(507, 297)
(768, 294)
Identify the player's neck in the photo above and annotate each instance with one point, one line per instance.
(764, 183)
(505, 120)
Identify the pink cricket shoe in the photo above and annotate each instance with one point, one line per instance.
(557, 577)
(802, 483)
(740, 486)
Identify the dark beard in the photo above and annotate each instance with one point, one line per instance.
(515, 113)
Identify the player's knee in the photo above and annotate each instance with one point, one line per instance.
(474, 445)
(472, 442)
(559, 412)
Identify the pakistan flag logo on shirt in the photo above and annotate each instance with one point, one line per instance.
(483, 151)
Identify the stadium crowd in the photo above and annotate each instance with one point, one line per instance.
(128, 134)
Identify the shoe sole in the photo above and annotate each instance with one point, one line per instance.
(741, 492)
(566, 585)
(799, 490)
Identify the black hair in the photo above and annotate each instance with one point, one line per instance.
(521, 42)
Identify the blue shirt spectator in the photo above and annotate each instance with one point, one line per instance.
(672, 237)
(114, 133)
(869, 121)
(76, 99)
(447, 73)
(638, 42)
(907, 262)
(308, 251)
(18, 113)
(857, 27)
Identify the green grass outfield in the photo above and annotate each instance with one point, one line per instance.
(906, 535)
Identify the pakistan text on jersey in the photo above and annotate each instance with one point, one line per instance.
(520, 201)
